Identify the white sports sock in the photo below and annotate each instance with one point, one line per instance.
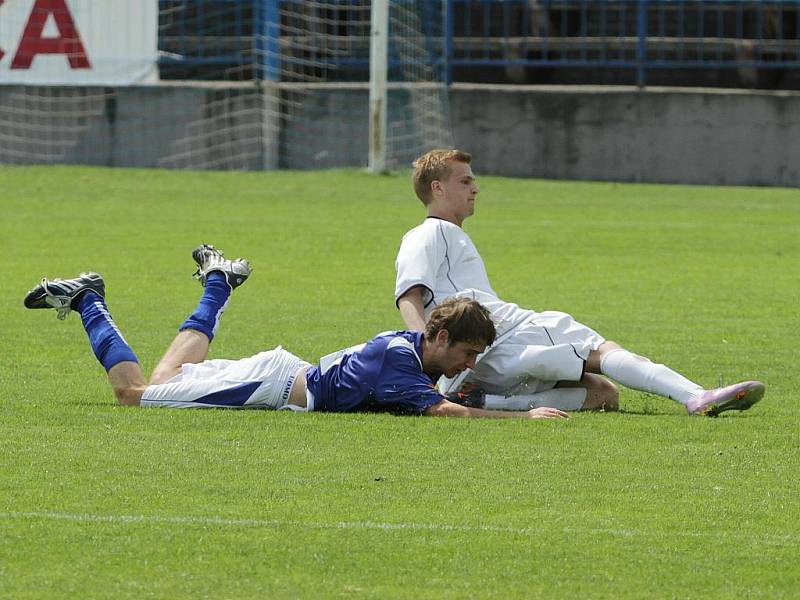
(569, 399)
(640, 374)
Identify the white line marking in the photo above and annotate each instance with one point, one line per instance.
(768, 538)
(202, 521)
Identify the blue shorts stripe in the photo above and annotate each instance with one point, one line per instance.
(234, 396)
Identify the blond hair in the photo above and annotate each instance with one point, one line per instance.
(465, 321)
(432, 166)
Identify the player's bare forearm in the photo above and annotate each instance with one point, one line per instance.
(412, 309)
(445, 408)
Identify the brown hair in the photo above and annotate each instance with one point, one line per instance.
(434, 165)
(465, 321)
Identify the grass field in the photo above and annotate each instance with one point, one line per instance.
(98, 501)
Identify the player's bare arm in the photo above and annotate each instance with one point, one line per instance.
(445, 408)
(412, 309)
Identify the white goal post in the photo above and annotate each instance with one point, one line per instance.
(378, 67)
(389, 112)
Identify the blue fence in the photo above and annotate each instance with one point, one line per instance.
(487, 39)
(207, 39)
(639, 35)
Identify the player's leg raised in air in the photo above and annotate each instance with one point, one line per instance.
(85, 294)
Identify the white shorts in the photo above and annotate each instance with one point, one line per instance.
(261, 381)
(550, 347)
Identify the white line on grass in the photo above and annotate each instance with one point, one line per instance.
(259, 522)
(769, 538)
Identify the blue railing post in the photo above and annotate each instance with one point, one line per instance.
(449, 18)
(267, 29)
(259, 37)
(641, 48)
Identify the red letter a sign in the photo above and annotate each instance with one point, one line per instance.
(2, 54)
(68, 42)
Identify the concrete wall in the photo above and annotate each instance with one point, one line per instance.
(164, 126)
(618, 134)
(622, 134)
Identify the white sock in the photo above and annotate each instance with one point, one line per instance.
(640, 374)
(568, 399)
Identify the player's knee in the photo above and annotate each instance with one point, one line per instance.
(162, 374)
(609, 395)
(595, 360)
(602, 394)
(129, 395)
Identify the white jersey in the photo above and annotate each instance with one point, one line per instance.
(440, 257)
(534, 350)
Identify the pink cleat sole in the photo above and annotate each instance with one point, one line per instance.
(739, 396)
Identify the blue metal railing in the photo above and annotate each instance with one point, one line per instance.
(642, 35)
(224, 39)
(212, 39)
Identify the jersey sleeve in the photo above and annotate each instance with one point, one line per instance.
(402, 386)
(421, 253)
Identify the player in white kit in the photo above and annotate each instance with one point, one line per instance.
(538, 359)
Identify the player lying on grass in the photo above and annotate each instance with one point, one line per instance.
(393, 372)
(538, 359)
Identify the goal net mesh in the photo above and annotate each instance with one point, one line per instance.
(247, 85)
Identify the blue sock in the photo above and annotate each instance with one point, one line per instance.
(205, 317)
(107, 342)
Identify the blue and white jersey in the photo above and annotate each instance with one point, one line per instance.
(385, 374)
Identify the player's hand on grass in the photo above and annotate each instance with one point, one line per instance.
(547, 413)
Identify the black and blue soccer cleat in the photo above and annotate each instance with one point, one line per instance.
(62, 294)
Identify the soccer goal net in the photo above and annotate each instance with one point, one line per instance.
(234, 84)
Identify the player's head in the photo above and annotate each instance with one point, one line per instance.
(458, 330)
(443, 181)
